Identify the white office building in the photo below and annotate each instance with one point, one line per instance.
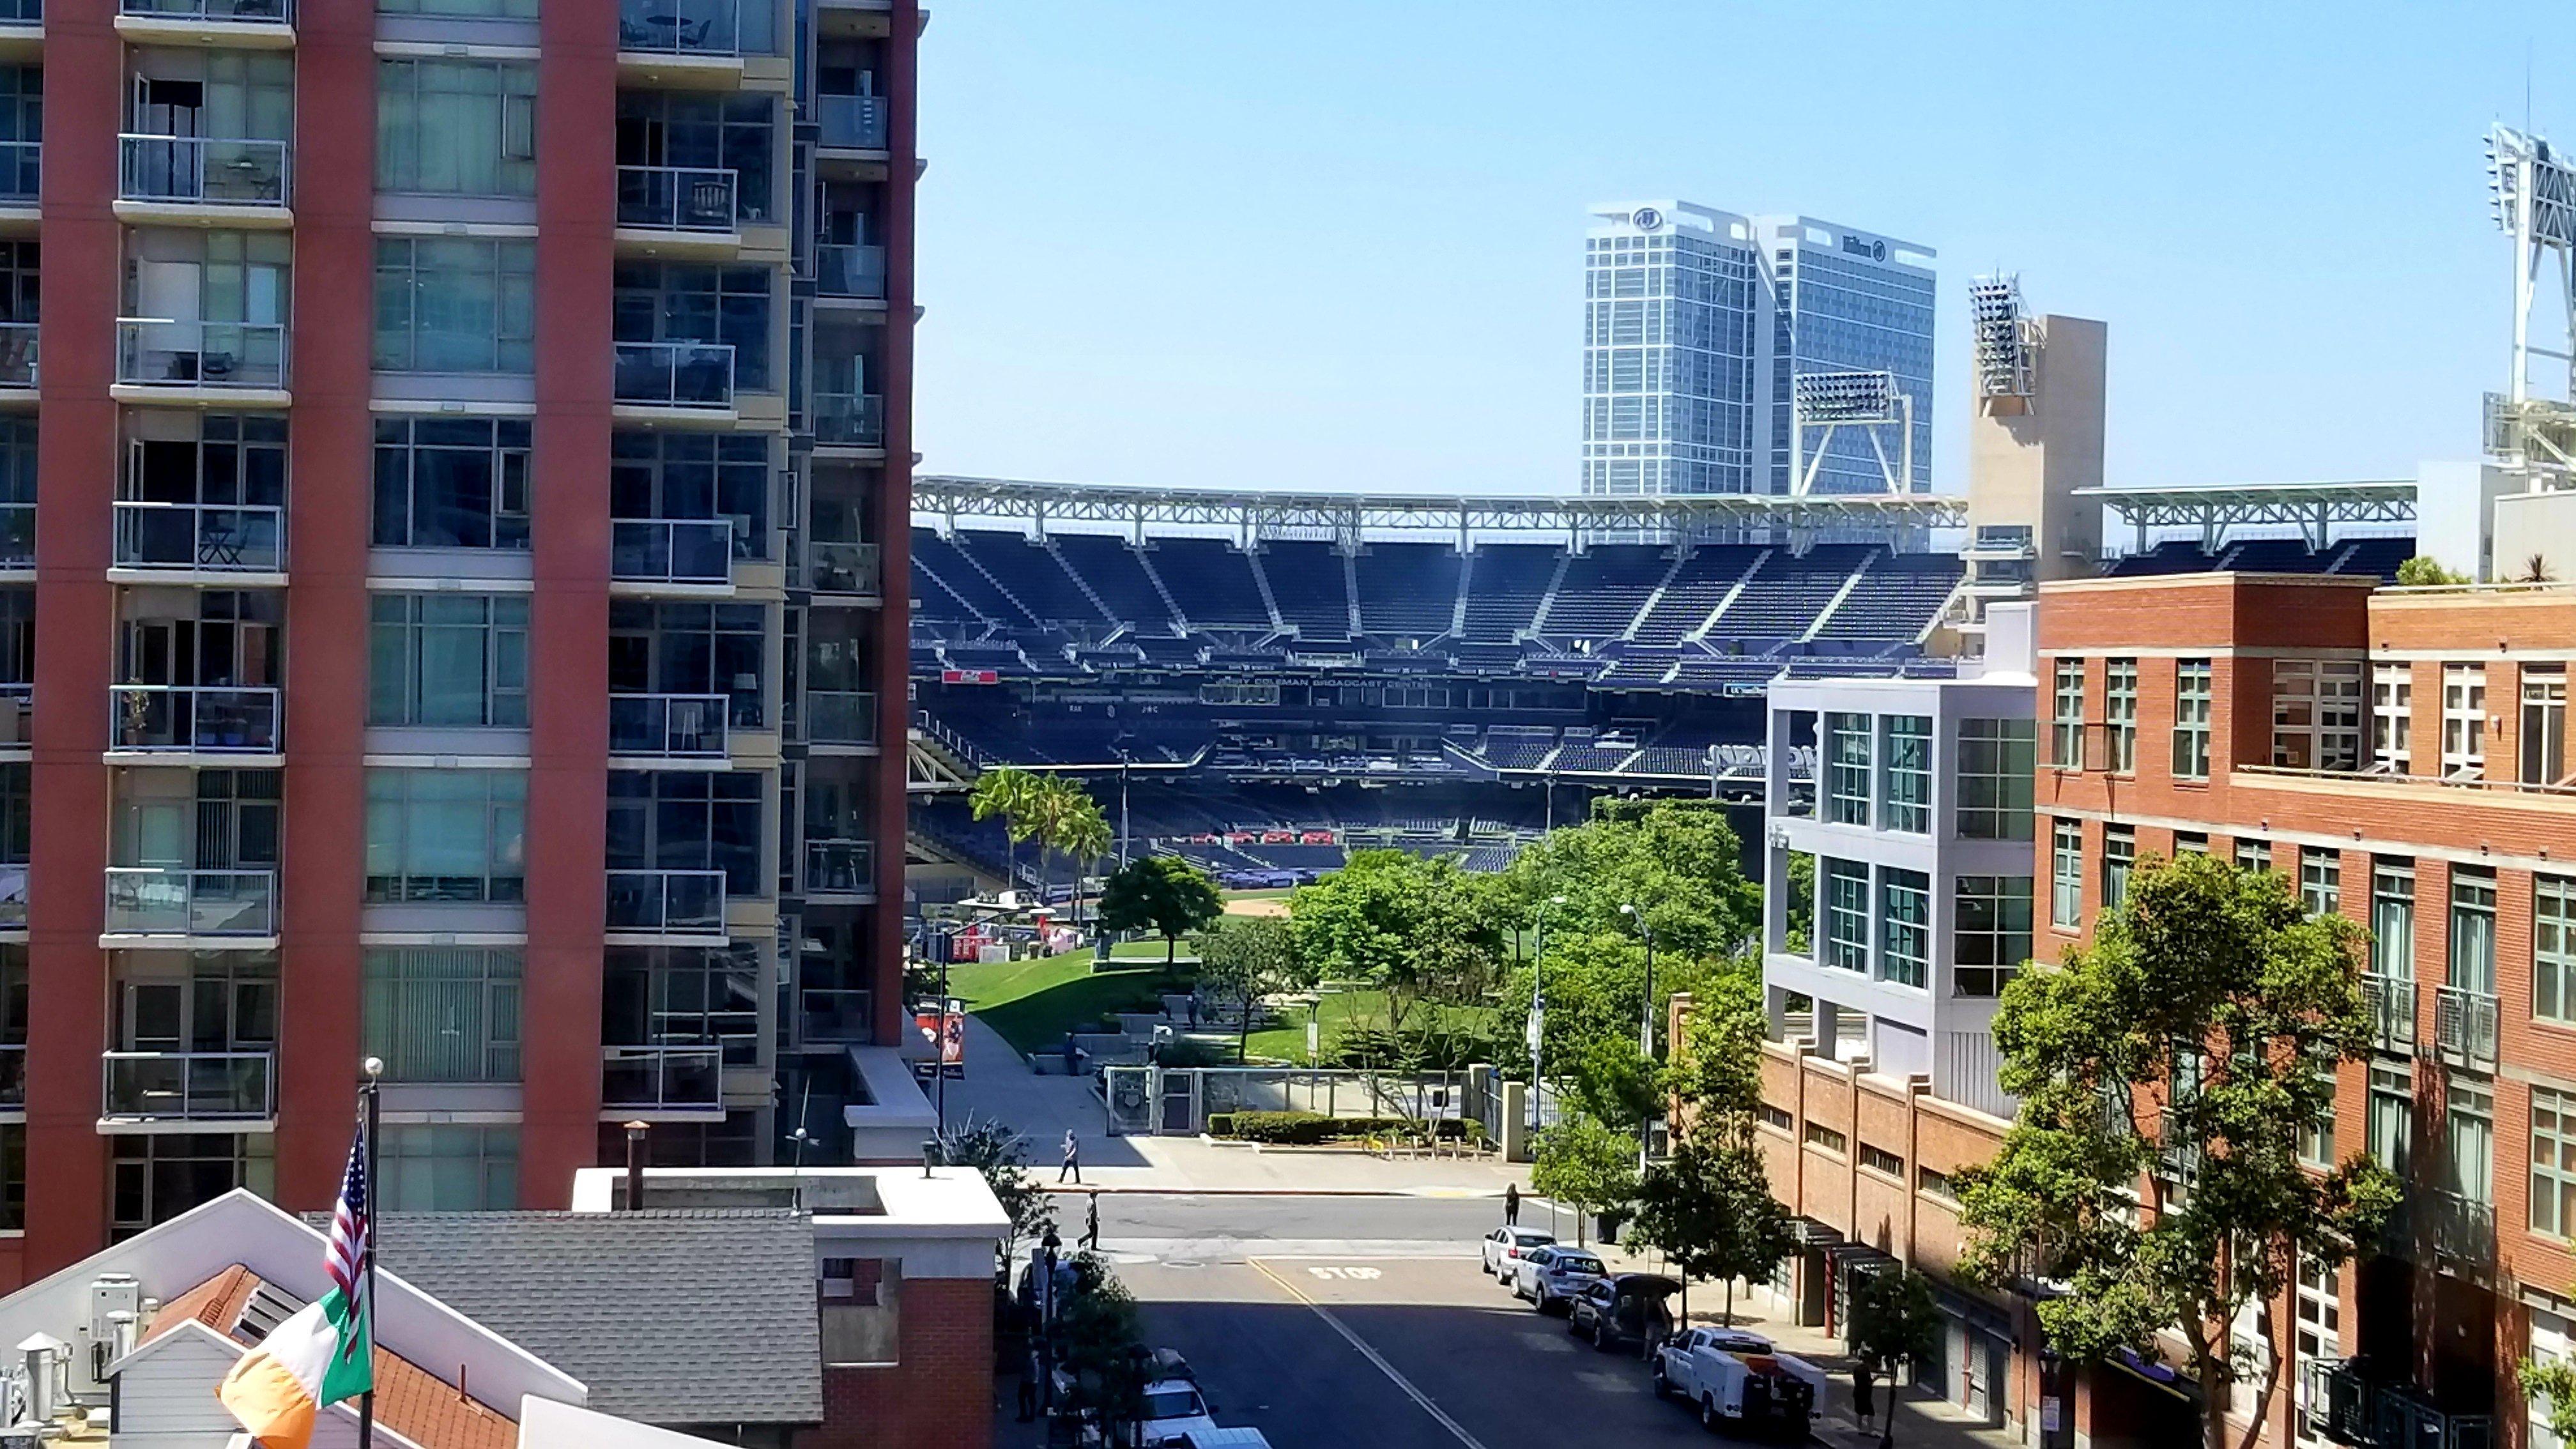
(1698, 321)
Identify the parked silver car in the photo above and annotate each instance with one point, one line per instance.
(1503, 1248)
(1549, 1277)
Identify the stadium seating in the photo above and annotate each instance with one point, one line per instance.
(941, 559)
(1033, 574)
(1407, 588)
(1504, 587)
(1603, 588)
(1117, 575)
(1782, 598)
(1309, 585)
(1210, 581)
(1895, 599)
(1694, 592)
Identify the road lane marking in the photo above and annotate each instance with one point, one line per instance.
(1358, 1274)
(1438, 1415)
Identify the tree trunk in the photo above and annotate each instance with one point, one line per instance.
(1243, 1034)
(1171, 948)
(2216, 1381)
(1730, 1303)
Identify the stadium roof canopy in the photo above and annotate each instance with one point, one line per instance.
(1348, 515)
(2215, 507)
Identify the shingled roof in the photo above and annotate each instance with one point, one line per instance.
(670, 1316)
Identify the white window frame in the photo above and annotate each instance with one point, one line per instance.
(2464, 720)
(2392, 717)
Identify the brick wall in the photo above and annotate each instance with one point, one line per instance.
(938, 1395)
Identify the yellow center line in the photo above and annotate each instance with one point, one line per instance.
(1438, 1415)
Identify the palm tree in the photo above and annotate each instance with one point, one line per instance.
(1012, 794)
(1081, 831)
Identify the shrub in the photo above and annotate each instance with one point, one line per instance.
(1309, 1129)
(1183, 1052)
(1220, 1124)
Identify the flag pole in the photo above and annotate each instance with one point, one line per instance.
(375, 1067)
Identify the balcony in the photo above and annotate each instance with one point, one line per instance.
(850, 272)
(238, 182)
(663, 904)
(851, 123)
(841, 568)
(841, 721)
(166, 361)
(13, 1074)
(208, 907)
(195, 719)
(22, 33)
(841, 869)
(17, 726)
(661, 1079)
(2464, 1027)
(144, 1087)
(849, 420)
(228, 539)
(678, 210)
(676, 377)
(17, 537)
(2464, 1227)
(696, 552)
(261, 24)
(2390, 1000)
(663, 727)
(710, 28)
(17, 358)
(2347, 1401)
(834, 1015)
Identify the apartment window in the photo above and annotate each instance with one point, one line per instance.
(687, 820)
(448, 660)
(2553, 1162)
(1935, 1183)
(1847, 769)
(695, 302)
(2321, 881)
(449, 1168)
(1846, 915)
(1879, 1159)
(2120, 713)
(2544, 724)
(2392, 919)
(22, 118)
(2195, 689)
(2392, 717)
(2119, 855)
(684, 996)
(2190, 842)
(2553, 948)
(2469, 1118)
(2391, 1116)
(447, 835)
(705, 131)
(456, 127)
(444, 1013)
(1996, 760)
(1905, 905)
(2253, 854)
(2464, 719)
(1905, 779)
(452, 483)
(2066, 875)
(1774, 1117)
(157, 1176)
(681, 648)
(2473, 927)
(2316, 714)
(1820, 1135)
(2317, 1138)
(1990, 938)
(2066, 715)
(455, 304)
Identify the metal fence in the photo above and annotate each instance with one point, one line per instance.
(1144, 1100)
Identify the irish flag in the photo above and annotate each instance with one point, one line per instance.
(326, 1352)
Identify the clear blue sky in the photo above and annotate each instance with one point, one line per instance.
(1338, 243)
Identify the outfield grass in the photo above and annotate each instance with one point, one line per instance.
(1034, 1003)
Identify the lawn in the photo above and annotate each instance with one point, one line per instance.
(1287, 1041)
(1033, 1003)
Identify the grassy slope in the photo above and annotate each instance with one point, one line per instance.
(1033, 1003)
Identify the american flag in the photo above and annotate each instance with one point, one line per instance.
(353, 1238)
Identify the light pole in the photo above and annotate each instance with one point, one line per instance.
(1538, 1030)
(1645, 1028)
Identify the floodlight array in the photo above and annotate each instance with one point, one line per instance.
(1848, 397)
(2002, 346)
(2510, 153)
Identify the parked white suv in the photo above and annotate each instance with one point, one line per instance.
(1503, 1249)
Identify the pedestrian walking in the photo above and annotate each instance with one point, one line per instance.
(1029, 1383)
(1194, 1011)
(1862, 1399)
(1091, 1228)
(1511, 1204)
(1072, 1159)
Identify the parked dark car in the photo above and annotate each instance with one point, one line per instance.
(1623, 1311)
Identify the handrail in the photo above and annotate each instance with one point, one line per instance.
(18, 347)
(667, 902)
(259, 12)
(669, 726)
(2374, 777)
(143, 1086)
(671, 550)
(196, 718)
(2391, 1003)
(850, 270)
(2464, 1024)
(661, 1076)
(17, 535)
(218, 170)
(153, 900)
(680, 27)
(850, 419)
(678, 198)
(167, 352)
(675, 374)
(840, 717)
(833, 567)
(217, 537)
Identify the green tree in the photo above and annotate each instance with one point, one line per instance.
(1586, 1164)
(2423, 570)
(1001, 1155)
(1677, 861)
(1097, 1328)
(1717, 1064)
(1802, 900)
(1709, 1208)
(2550, 1387)
(1418, 930)
(1011, 794)
(1248, 957)
(1893, 1322)
(1160, 893)
(2214, 993)
(1068, 821)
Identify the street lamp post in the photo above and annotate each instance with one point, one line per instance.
(1645, 1026)
(1538, 1028)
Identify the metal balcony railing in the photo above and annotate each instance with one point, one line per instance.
(680, 27)
(157, 900)
(854, 420)
(661, 1077)
(159, 352)
(829, 1014)
(677, 198)
(667, 726)
(262, 12)
(840, 868)
(2464, 1026)
(850, 271)
(2391, 1003)
(204, 170)
(2463, 1226)
(215, 537)
(18, 354)
(2177, 1151)
(852, 122)
(196, 718)
(667, 902)
(841, 568)
(190, 1086)
(671, 550)
(840, 717)
(17, 535)
(675, 374)
(13, 1074)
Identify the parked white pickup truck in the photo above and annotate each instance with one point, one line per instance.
(1737, 1380)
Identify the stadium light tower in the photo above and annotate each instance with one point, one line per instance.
(2006, 345)
(2534, 195)
(1827, 402)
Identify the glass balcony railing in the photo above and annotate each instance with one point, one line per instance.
(841, 568)
(850, 271)
(2464, 1026)
(17, 535)
(675, 374)
(840, 717)
(661, 1077)
(154, 352)
(22, 12)
(13, 1074)
(263, 12)
(13, 895)
(17, 354)
(680, 27)
(190, 1086)
(830, 1014)
(21, 162)
(854, 420)
(217, 537)
(2391, 1003)
(154, 900)
(852, 122)
(840, 868)
(667, 902)
(197, 718)
(671, 550)
(676, 198)
(201, 170)
(667, 726)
